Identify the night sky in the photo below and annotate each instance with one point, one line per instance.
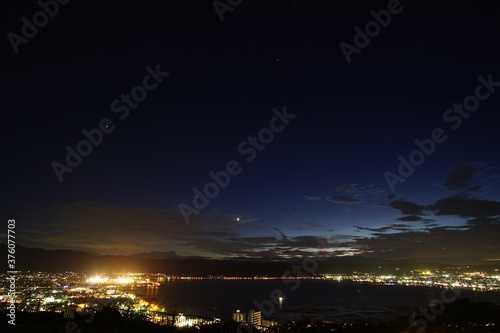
(310, 117)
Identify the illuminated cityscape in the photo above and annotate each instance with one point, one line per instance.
(477, 281)
(235, 166)
(71, 292)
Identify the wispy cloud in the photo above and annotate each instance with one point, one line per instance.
(353, 194)
(111, 229)
(344, 199)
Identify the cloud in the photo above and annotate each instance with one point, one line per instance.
(346, 188)
(343, 199)
(355, 190)
(308, 225)
(475, 188)
(381, 229)
(390, 227)
(472, 177)
(414, 218)
(475, 240)
(391, 195)
(460, 177)
(281, 233)
(111, 229)
(407, 207)
(464, 206)
(114, 229)
(353, 194)
(471, 243)
(480, 221)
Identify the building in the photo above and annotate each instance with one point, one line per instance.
(269, 323)
(254, 317)
(239, 317)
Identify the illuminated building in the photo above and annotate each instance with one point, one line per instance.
(254, 317)
(239, 317)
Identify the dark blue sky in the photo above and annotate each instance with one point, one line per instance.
(318, 187)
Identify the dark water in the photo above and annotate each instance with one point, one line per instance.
(319, 299)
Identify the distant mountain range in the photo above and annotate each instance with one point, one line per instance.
(170, 263)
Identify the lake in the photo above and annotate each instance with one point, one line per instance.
(318, 299)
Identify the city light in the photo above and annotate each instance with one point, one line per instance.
(86, 294)
(97, 279)
(124, 280)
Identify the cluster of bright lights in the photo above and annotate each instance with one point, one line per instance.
(124, 280)
(101, 279)
(97, 279)
(49, 300)
(183, 321)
